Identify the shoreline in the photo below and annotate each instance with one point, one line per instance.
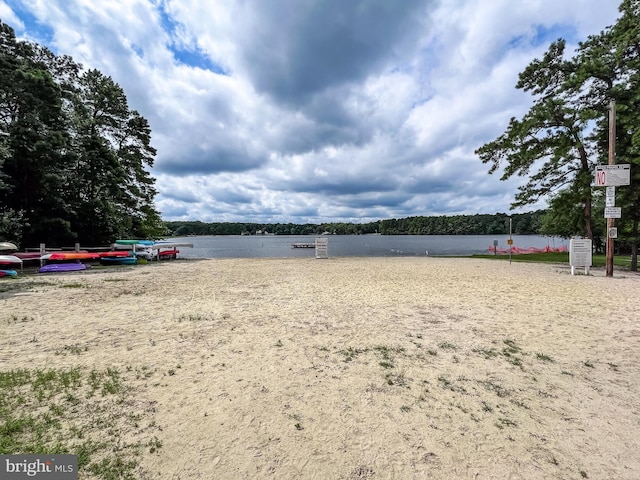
(353, 367)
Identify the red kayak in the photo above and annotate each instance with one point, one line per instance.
(168, 253)
(74, 256)
(115, 253)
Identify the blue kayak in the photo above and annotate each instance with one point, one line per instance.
(118, 260)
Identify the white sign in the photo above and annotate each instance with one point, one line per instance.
(613, 232)
(612, 212)
(322, 246)
(580, 253)
(613, 175)
(611, 197)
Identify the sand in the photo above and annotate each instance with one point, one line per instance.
(354, 368)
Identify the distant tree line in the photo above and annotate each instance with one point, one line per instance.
(73, 155)
(480, 224)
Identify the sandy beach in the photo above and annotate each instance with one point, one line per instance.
(351, 368)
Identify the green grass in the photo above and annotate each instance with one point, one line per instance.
(598, 260)
(91, 414)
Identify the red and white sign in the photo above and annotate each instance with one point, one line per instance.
(613, 175)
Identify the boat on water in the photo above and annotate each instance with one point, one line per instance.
(8, 273)
(62, 267)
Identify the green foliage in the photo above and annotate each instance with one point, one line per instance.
(485, 224)
(566, 131)
(74, 158)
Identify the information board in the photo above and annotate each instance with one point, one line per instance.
(322, 247)
(580, 254)
(612, 212)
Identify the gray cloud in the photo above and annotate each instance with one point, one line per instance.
(316, 110)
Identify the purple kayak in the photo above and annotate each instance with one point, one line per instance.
(62, 267)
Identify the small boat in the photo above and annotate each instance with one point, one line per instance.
(118, 260)
(134, 242)
(4, 246)
(170, 253)
(8, 273)
(10, 260)
(115, 253)
(24, 256)
(166, 244)
(62, 267)
(73, 256)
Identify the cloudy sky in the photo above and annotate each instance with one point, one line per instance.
(316, 110)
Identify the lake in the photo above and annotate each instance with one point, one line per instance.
(280, 246)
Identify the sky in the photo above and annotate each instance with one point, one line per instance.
(315, 111)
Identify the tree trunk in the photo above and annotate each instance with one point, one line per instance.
(587, 198)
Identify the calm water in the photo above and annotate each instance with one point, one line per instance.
(354, 245)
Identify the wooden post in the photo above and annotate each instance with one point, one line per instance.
(612, 161)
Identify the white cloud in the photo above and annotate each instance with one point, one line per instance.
(354, 110)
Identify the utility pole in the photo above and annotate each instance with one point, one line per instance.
(612, 161)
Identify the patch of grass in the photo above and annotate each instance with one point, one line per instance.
(486, 352)
(13, 319)
(495, 387)
(543, 357)
(598, 260)
(351, 353)
(447, 346)
(49, 411)
(193, 318)
(74, 349)
(397, 379)
(505, 422)
(613, 366)
(74, 285)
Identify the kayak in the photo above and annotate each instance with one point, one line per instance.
(118, 260)
(166, 244)
(168, 253)
(62, 267)
(134, 242)
(27, 255)
(8, 273)
(9, 260)
(7, 246)
(115, 253)
(73, 256)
